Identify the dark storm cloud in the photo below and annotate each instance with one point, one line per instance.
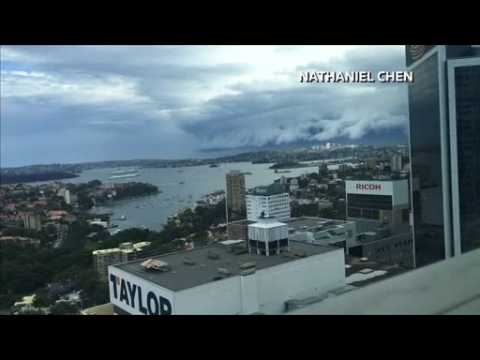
(87, 103)
(311, 112)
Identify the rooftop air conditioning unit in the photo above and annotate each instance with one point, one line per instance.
(248, 265)
(213, 256)
(224, 271)
(155, 265)
(300, 254)
(188, 261)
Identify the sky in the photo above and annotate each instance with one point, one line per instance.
(62, 104)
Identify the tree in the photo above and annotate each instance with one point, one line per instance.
(64, 308)
(94, 291)
(43, 298)
(85, 202)
(94, 183)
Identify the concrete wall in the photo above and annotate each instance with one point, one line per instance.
(433, 289)
(300, 279)
(266, 290)
(396, 249)
(222, 297)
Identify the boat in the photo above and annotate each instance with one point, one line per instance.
(123, 217)
(123, 171)
(116, 231)
(213, 165)
(124, 176)
(181, 183)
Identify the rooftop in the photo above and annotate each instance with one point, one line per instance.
(379, 180)
(305, 223)
(105, 309)
(273, 189)
(267, 223)
(215, 262)
(447, 287)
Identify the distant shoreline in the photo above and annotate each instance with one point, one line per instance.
(10, 179)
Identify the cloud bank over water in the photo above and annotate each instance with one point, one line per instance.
(80, 103)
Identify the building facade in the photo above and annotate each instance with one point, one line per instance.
(267, 237)
(238, 229)
(236, 191)
(396, 163)
(396, 249)
(219, 280)
(102, 259)
(32, 221)
(444, 149)
(384, 202)
(268, 201)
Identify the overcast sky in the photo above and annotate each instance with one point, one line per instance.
(86, 103)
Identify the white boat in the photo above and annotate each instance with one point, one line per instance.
(123, 171)
(123, 176)
(116, 231)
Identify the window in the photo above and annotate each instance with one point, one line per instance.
(381, 202)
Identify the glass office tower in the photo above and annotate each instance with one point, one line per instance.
(464, 115)
(444, 126)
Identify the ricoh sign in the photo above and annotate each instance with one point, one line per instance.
(369, 187)
(137, 296)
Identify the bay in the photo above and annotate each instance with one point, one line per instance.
(180, 188)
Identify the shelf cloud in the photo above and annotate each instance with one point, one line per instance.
(82, 103)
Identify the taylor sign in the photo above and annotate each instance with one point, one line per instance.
(137, 298)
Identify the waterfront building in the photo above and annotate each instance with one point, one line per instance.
(268, 201)
(236, 191)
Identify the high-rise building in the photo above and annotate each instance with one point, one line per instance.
(236, 191)
(323, 169)
(268, 201)
(372, 203)
(32, 221)
(66, 197)
(396, 163)
(371, 164)
(444, 112)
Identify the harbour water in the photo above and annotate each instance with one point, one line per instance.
(180, 188)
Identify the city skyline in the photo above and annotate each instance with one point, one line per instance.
(63, 104)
